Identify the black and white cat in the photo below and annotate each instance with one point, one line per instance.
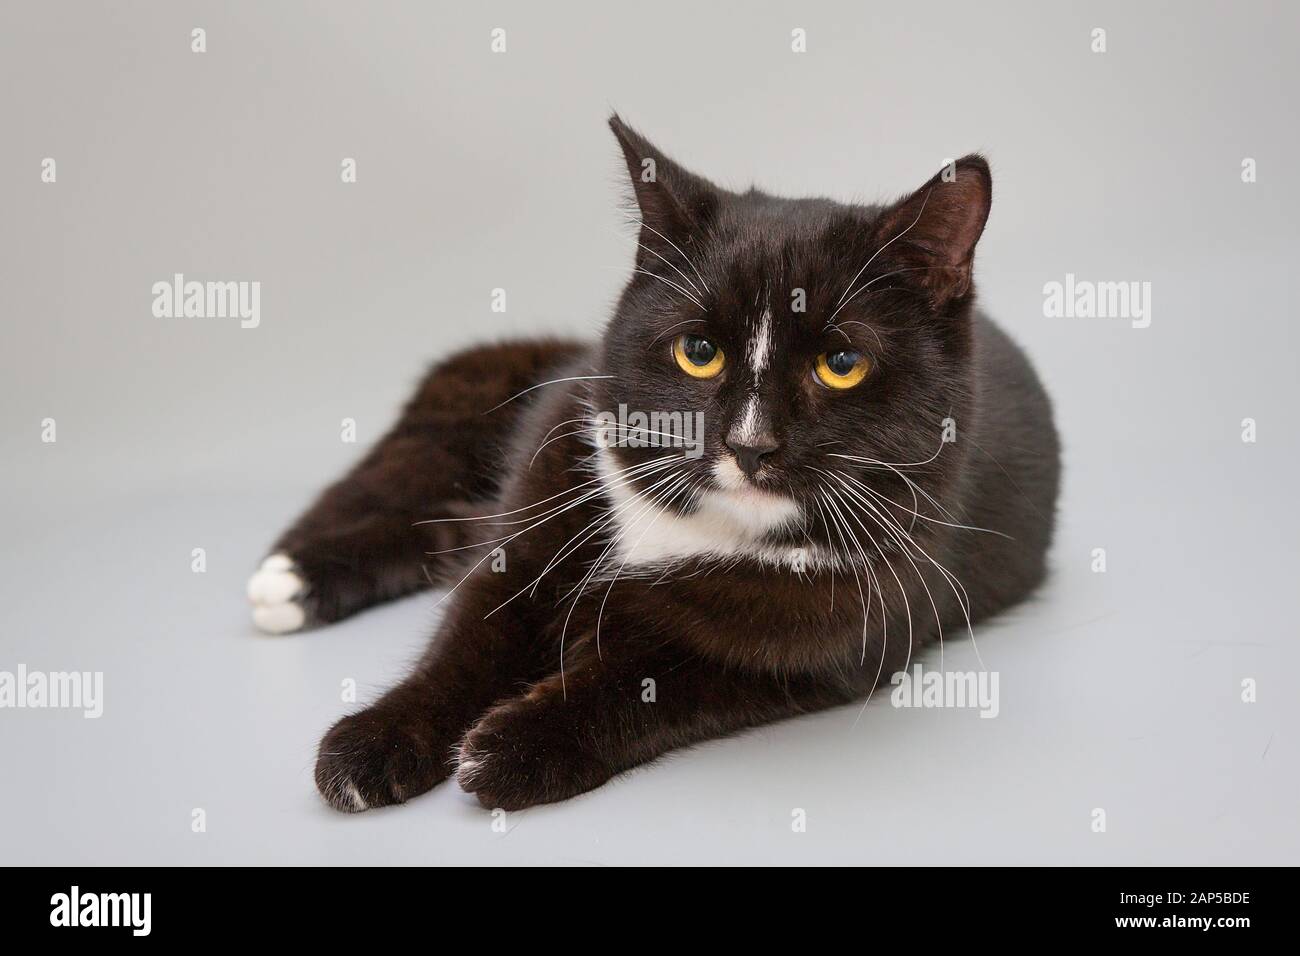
(877, 467)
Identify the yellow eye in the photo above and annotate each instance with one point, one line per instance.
(842, 369)
(697, 356)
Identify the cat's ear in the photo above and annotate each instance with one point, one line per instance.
(932, 233)
(675, 206)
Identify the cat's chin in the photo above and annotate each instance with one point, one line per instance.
(751, 495)
(755, 508)
(752, 507)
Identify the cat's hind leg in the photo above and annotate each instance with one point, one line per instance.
(374, 535)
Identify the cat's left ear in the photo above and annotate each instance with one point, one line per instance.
(932, 233)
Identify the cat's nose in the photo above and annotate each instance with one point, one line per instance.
(750, 454)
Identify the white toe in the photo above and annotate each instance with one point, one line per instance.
(468, 763)
(358, 801)
(279, 618)
(277, 562)
(276, 591)
(273, 587)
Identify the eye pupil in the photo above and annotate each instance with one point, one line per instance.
(699, 351)
(697, 356)
(841, 370)
(842, 363)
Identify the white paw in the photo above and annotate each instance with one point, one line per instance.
(354, 797)
(342, 794)
(469, 763)
(275, 591)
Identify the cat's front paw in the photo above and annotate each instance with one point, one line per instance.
(376, 758)
(521, 754)
(278, 592)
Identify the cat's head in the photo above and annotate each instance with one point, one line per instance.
(811, 338)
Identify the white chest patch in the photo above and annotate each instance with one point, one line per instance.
(728, 522)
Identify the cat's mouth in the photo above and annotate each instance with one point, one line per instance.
(749, 492)
(729, 480)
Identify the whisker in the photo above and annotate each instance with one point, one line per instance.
(672, 328)
(554, 381)
(916, 514)
(833, 522)
(568, 547)
(919, 213)
(937, 620)
(579, 431)
(671, 284)
(839, 531)
(668, 262)
(913, 487)
(690, 488)
(543, 501)
(902, 591)
(880, 345)
(863, 288)
(581, 587)
(554, 512)
(675, 246)
(675, 480)
(958, 589)
(895, 464)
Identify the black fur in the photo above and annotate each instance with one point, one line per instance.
(537, 684)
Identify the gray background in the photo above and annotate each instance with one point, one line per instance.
(1119, 690)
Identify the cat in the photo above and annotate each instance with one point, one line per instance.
(878, 469)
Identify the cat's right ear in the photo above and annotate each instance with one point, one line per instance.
(675, 206)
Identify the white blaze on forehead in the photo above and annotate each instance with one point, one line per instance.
(760, 347)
